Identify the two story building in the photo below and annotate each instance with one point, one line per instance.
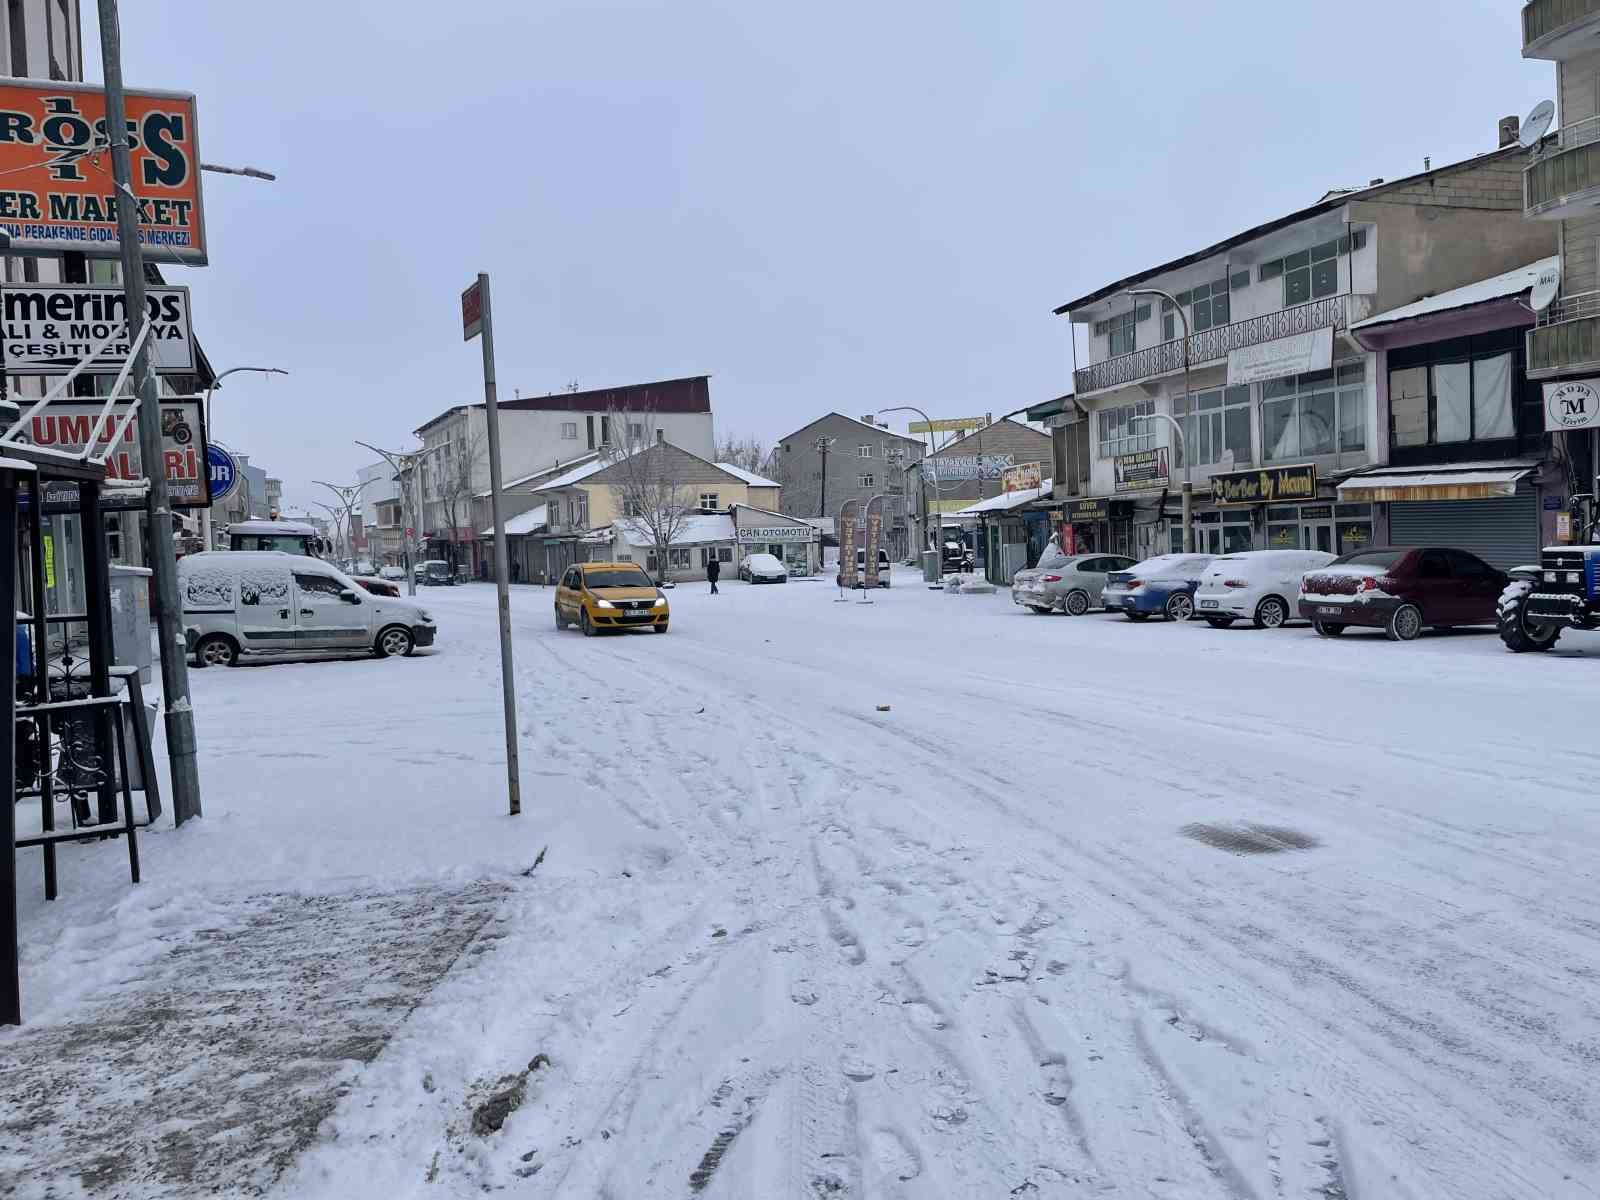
(1274, 400)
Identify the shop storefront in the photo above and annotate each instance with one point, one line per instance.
(795, 543)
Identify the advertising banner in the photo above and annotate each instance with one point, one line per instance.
(1145, 469)
(67, 427)
(1297, 354)
(1265, 486)
(849, 511)
(56, 191)
(962, 468)
(1022, 477)
(1574, 404)
(49, 329)
(949, 425)
(874, 533)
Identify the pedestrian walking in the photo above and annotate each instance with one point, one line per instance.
(713, 570)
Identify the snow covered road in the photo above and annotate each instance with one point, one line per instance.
(996, 940)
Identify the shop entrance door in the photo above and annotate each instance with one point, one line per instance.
(1319, 535)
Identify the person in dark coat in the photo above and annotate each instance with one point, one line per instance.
(713, 571)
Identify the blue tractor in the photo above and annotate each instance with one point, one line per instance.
(1563, 594)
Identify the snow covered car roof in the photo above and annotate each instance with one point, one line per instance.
(296, 528)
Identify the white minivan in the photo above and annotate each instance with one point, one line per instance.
(1256, 585)
(265, 602)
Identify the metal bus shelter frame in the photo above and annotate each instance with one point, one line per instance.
(31, 703)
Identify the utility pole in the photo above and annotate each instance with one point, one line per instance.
(823, 444)
(477, 321)
(179, 712)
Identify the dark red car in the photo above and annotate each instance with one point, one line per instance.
(1401, 591)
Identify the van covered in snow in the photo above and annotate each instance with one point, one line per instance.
(272, 603)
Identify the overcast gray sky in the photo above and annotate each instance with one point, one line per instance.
(823, 206)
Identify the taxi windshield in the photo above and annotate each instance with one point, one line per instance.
(617, 577)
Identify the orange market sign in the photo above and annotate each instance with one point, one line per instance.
(56, 189)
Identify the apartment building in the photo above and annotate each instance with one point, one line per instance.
(837, 458)
(1273, 401)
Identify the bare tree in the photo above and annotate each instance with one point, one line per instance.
(749, 454)
(649, 477)
(454, 473)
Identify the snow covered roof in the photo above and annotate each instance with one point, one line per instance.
(695, 529)
(767, 512)
(581, 460)
(290, 527)
(1512, 283)
(531, 521)
(749, 477)
(1006, 501)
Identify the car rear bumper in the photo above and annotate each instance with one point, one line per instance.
(1341, 610)
(1033, 598)
(1133, 602)
(1231, 604)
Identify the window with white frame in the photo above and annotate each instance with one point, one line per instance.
(1214, 423)
(708, 501)
(1312, 273)
(867, 481)
(569, 431)
(1323, 412)
(1120, 330)
(631, 507)
(864, 451)
(679, 560)
(635, 431)
(1120, 430)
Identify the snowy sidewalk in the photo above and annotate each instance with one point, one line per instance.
(1092, 909)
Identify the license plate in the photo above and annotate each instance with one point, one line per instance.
(1325, 610)
(1210, 604)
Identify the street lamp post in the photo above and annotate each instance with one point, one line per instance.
(1188, 488)
(205, 513)
(348, 495)
(404, 464)
(922, 469)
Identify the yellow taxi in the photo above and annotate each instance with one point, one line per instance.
(609, 595)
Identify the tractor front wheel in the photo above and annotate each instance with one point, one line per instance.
(1518, 631)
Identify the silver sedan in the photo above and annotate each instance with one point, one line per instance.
(1069, 583)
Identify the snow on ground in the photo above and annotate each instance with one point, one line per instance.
(1092, 908)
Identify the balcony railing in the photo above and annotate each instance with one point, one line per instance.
(1567, 337)
(1545, 21)
(1567, 172)
(1210, 345)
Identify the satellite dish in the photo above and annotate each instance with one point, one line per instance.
(1545, 287)
(1537, 122)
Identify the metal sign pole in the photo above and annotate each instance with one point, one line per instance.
(179, 711)
(477, 297)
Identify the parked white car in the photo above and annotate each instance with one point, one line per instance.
(1257, 585)
(265, 602)
(763, 568)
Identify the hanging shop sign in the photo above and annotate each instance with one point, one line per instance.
(1022, 477)
(56, 190)
(948, 425)
(1574, 404)
(49, 330)
(1084, 512)
(224, 472)
(1268, 485)
(874, 535)
(183, 450)
(1145, 469)
(1293, 355)
(959, 468)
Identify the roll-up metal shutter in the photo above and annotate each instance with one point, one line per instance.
(1503, 532)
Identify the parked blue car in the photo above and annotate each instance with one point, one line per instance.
(1164, 584)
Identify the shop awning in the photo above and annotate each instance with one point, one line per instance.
(1476, 484)
(1007, 501)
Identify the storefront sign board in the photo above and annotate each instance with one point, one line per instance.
(1022, 477)
(1292, 355)
(57, 193)
(1267, 485)
(959, 468)
(948, 425)
(1086, 511)
(778, 533)
(1572, 404)
(1145, 469)
(49, 329)
(68, 426)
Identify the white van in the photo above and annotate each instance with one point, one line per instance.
(1254, 585)
(270, 603)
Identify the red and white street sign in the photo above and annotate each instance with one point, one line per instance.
(471, 312)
